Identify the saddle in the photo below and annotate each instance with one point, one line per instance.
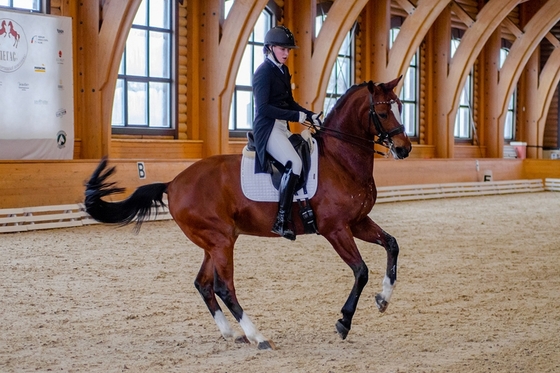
(276, 169)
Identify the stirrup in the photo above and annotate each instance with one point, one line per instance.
(307, 217)
(284, 232)
(289, 234)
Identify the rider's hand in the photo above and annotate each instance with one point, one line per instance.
(315, 119)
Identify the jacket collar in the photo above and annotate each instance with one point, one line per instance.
(283, 74)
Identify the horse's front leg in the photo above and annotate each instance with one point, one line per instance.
(344, 244)
(367, 230)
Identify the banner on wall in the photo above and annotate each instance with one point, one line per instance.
(36, 86)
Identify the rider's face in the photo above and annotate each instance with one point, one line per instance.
(281, 53)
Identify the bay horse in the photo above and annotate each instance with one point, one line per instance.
(207, 203)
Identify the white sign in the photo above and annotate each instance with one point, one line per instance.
(36, 87)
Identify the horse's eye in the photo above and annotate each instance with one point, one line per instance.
(382, 115)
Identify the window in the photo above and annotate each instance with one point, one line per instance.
(33, 5)
(143, 94)
(463, 120)
(509, 125)
(242, 105)
(409, 93)
(342, 75)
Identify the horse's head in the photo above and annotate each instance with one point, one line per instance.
(368, 114)
(384, 116)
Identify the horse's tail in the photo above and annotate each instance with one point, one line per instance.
(137, 206)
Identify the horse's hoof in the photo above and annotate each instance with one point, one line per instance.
(266, 345)
(381, 303)
(242, 339)
(341, 330)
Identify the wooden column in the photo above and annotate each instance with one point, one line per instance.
(301, 21)
(209, 20)
(218, 55)
(192, 92)
(491, 135)
(378, 27)
(530, 131)
(87, 101)
(440, 40)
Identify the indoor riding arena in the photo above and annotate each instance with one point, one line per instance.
(438, 144)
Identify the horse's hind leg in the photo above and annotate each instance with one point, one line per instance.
(216, 278)
(204, 283)
(368, 231)
(224, 288)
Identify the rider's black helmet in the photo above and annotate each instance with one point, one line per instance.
(280, 36)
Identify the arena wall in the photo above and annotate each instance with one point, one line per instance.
(43, 183)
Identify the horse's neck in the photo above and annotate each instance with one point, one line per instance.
(352, 159)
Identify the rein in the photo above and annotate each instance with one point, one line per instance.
(383, 137)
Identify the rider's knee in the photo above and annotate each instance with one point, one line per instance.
(297, 165)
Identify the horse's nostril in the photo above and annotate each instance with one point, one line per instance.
(402, 152)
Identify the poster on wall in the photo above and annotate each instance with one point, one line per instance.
(36, 86)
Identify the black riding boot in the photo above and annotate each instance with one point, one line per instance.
(283, 224)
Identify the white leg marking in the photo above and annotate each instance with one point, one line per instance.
(387, 289)
(250, 331)
(223, 325)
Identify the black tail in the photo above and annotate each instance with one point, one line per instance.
(138, 206)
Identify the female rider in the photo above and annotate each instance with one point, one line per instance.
(274, 107)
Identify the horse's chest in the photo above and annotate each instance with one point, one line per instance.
(362, 201)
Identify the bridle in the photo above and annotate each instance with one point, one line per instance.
(384, 138)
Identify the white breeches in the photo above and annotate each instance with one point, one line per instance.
(281, 149)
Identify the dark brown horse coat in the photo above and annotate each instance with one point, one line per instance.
(207, 203)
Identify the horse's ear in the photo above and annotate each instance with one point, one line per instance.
(393, 83)
(370, 86)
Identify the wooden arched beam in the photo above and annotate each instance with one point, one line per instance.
(224, 60)
(96, 60)
(548, 83)
(236, 31)
(237, 28)
(522, 49)
(342, 16)
(488, 20)
(118, 18)
(411, 34)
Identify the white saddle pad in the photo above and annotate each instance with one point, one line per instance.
(258, 187)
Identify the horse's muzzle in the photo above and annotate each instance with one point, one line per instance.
(401, 152)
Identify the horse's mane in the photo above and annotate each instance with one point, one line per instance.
(344, 97)
(341, 101)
